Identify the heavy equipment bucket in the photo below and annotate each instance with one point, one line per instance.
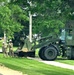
(26, 50)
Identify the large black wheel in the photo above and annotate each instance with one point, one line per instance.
(41, 53)
(50, 53)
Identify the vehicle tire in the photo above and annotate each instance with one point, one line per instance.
(50, 53)
(41, 53)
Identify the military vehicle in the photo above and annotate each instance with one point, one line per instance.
(50, 47)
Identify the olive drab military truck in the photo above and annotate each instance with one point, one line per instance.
(50, 47)
(69, 39)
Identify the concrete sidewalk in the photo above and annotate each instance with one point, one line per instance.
(58, 64)
(54, 63)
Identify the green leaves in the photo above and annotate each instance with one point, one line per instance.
(15, 9)
(51, 15)
(10, 19)
(5, 14)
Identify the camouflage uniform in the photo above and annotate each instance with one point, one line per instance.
(11, 53)
(4, 49)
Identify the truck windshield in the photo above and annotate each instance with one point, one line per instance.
(62, 37)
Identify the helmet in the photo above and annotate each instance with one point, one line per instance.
(10, 40)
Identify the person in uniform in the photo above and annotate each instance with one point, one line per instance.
(4, 49)
(11, 52)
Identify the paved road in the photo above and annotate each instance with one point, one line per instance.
(54, 63)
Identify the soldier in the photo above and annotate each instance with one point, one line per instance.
(4, 49)
(11, 52)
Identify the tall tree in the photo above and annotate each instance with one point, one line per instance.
(50, 15)
(11, 16)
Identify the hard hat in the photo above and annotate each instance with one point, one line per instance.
(10, 40)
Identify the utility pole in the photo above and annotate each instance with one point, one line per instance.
(30, 26)
(30, 22)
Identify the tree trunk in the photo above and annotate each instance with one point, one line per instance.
(4, 36)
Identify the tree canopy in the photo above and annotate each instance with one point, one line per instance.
(50, 15)
(11, 16)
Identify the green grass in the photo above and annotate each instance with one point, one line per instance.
(32, 67)
(1, 43)
(66, 61)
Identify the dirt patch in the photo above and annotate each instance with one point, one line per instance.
(6, 71)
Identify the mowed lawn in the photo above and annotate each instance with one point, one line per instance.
(32, 67)
(66, 61)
